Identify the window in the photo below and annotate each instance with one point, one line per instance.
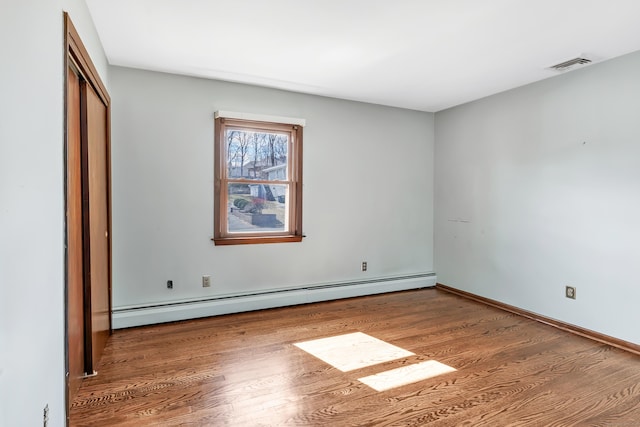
(258, 180)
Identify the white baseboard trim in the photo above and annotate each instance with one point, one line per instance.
(126, 317)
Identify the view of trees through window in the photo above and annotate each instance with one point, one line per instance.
(249, 153)
(256, 161)
(258, 180)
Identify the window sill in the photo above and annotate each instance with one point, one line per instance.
(223, 241)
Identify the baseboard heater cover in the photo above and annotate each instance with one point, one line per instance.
(126, 317)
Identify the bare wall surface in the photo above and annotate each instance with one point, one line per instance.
(537, 188)
(368, 191)
(32, 206)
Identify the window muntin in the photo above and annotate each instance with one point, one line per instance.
(258, 193)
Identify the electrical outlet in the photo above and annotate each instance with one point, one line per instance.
(570, 292)
(364, 265)
(206, 281)
(169, 284)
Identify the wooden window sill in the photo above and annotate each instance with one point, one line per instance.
(222, 241)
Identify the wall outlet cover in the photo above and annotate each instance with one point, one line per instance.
(570, 292)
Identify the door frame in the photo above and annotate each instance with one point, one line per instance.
(76, 55)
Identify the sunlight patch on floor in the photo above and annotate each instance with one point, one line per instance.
(352, 351)
(358, 350)
(406, 375)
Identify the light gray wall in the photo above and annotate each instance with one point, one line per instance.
(537, 188)
(368, 191)
(32, 205)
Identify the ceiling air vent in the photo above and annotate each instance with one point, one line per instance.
(570, 64)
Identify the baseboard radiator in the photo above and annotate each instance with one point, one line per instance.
(130, 316)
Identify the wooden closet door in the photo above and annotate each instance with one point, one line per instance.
(98, 221)
(88, 225)
(75, 281)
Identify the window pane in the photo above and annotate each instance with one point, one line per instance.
(257, 208)
(256, 155)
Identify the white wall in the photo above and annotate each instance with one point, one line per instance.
(32, 206)
(368, 191)
(537, 188)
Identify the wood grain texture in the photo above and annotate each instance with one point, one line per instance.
(75, 273)
(615, 342)
(98, 196)
(243, 370)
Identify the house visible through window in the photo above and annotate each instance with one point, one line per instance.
(258, 181)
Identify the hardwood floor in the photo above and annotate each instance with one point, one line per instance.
(244, 370)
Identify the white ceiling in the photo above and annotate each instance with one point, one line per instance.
(420, 54)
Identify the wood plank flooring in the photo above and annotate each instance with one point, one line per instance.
(243, 370)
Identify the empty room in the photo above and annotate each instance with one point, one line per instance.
(336, 213)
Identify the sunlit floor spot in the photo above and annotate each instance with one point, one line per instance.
(353, 351)
(406, 375)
